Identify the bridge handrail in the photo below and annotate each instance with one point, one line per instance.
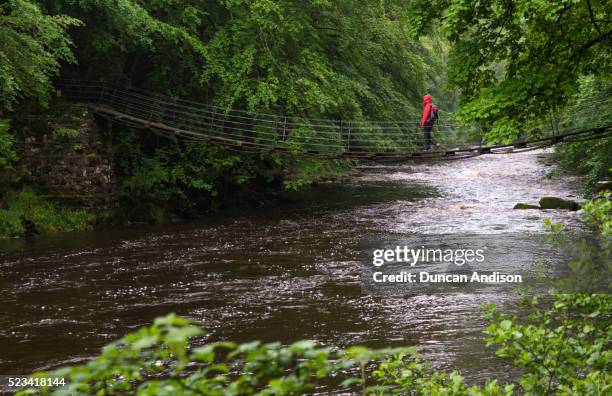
(230, 127)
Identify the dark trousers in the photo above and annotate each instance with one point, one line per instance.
(427, 135)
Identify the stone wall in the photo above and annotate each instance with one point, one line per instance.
(67, 154)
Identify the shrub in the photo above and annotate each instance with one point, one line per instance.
(592, 158)
(562, 349)
(7, 155)
(24, 212)
(66, 134)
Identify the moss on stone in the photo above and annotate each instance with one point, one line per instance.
(525, 206)
(558, 203)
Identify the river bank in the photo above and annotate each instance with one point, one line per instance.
(286, 273)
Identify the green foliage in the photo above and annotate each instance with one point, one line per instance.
(180, 177)
(598, 214)
(311, 170)
(65, 133)
(406, 374)
(308, 59)
(11, 223)
(589, 260)
(511, 60)
(117, 35)
(31, 47)
(594, 158)
(23, 213)
(562, 349)
(158, 360)
(7, 155)
(592, 265)
(504, 131)
(317, 59)
(334, 59)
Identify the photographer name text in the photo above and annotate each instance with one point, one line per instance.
(459, 257)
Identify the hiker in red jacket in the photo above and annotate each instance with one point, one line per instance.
(430, 114)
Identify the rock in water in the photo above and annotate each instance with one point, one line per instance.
(525, 206)
(558, 203)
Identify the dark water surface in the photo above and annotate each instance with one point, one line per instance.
(284, 273)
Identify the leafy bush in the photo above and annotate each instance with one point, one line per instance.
(156, 360)
(588, 259)
(11, 223)
(65, 133)
(591, 158)
(598, 214)
(185, 177)
(25, 213)
(157, 177)
(7, 155)
(310, 170)
(562, 349)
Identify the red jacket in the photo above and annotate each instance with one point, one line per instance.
(426, 109)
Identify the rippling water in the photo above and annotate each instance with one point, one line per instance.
(284, 273)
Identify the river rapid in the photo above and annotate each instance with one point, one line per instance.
(286, 273)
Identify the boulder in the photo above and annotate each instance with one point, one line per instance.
(525, 206)
(558, 203)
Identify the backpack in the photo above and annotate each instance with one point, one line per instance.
(433, 113)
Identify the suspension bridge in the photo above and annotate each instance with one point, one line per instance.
(380, 141)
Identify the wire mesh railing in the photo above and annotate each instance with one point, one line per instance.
(249, 131)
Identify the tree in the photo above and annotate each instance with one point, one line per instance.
(337, 60)
(312, 58)
(512, 59)
(31, 48)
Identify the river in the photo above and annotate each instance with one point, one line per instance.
(285, 273)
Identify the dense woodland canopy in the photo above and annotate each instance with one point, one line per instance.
(511, 59)
(500, 63)
(343, 58)
(334, 59)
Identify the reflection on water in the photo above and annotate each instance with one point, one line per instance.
(284, 273)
